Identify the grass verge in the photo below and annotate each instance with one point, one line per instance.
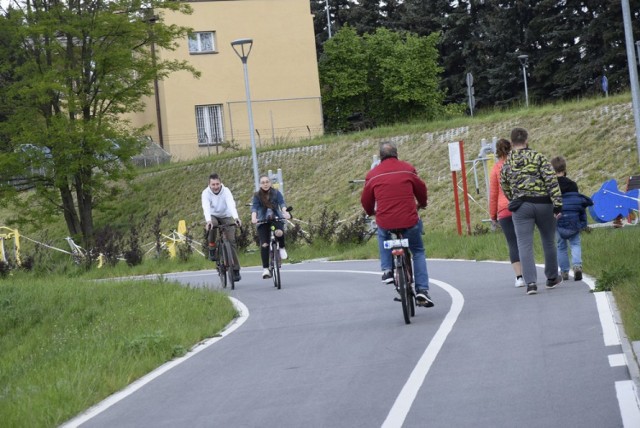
(65, 344)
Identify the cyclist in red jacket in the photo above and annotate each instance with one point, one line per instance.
(394, 192)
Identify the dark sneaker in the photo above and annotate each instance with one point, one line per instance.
(577, 273)
(236, 276)
(532, 288)
(565, 276)
(212, 254)
(387, 277)
(423, 299)
(551, 283)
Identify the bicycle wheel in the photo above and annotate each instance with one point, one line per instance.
(403, 287)
(222, 273)
(410, 282)
(228, 262)
(275, 262)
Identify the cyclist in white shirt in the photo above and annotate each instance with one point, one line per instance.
(219, 207)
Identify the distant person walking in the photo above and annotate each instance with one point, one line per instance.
(530, 184)
(572, 221)
(499, 211)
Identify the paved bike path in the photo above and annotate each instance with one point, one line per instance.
(331, 349)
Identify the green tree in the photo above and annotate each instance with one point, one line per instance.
(404, 74)
(78, 67)
(343, 77)
(385, 76)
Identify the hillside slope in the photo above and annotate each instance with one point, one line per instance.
(596, 137)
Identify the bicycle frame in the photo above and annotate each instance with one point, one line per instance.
(275, 263)
(224, 262)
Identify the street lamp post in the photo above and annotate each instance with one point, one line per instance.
(242, 48)
(633, 70)
(326, 2)
(524, 59)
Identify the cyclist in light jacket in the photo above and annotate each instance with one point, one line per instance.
(219, 207)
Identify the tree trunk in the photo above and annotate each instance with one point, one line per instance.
(85, 206)
(69, 210)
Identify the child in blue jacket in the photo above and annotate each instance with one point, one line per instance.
(571, 222)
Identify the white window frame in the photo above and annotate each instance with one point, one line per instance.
(198, 44)
(209, 125)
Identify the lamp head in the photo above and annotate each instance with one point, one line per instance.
(523, 59)
(242, 47)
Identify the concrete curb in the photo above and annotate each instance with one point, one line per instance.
(630, 349)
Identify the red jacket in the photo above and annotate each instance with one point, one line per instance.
(498, 202)
(391, 190)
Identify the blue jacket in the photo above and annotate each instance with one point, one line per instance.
(277, 202)
(574, 215)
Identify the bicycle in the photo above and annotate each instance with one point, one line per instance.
(224, 259)
(402, 272)
(275, 263)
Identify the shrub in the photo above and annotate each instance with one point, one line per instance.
(108, 244)
(133, 255)
(5, 268)
(612, 277)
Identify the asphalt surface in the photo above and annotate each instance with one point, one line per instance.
(331, 349)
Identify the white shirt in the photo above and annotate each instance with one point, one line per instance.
(221, 205)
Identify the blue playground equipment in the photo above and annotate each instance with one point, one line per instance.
(609, 203)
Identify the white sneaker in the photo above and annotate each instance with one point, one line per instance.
(520, 282)
(266, 273)
(283, 254)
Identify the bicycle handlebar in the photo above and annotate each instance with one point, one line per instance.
(275, 218)
(221, 226)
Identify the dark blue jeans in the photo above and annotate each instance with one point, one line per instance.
(414, 235)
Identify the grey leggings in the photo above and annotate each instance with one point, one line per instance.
(506, 224)
(524, 220)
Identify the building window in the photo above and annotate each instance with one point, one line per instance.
(209, 125)
(202, 42)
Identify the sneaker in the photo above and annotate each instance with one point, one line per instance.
(236, 276)
(532, 288)
(212, 254)
(387, 277)
(423, 299)
(565, 276)
(266, 273)
(283, 254)
(551, 283)
(577, 273)
(520, 282)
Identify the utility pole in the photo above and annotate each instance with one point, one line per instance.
(633, 70)
(326, 2)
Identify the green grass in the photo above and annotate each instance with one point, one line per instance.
(65, 344)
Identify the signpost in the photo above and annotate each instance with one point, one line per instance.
(470, 93)
(456, 162)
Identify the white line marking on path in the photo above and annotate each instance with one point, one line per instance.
(617, 360)
(609, 330)
(404, 401)
(628, 402)
(243, 315)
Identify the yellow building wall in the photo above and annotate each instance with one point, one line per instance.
(282, 70)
